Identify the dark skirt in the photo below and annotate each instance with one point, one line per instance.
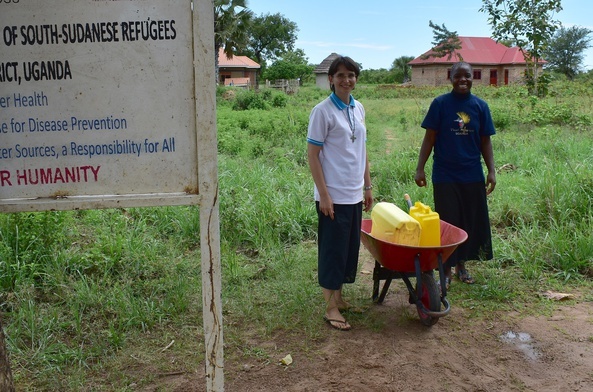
(338, 245)
(466, 206)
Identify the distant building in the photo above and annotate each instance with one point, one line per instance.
(237, 71)
(322, 71)
(493, 64)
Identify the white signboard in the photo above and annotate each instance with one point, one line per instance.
(100, 106)
(96, 104)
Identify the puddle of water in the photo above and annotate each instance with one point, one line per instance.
(523, 342)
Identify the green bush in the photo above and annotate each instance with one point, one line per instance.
(249, 100)
(279, 100)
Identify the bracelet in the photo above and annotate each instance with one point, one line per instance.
(368, 188)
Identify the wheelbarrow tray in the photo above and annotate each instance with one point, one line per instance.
(401, 258)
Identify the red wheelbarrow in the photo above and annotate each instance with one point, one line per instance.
(394, 261)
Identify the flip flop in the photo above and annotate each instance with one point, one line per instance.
(342, 325)
(465, 277)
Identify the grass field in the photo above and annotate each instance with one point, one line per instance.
(85, 294)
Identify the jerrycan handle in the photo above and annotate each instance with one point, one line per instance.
(423, 208)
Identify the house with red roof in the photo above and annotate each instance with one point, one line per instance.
(237, 71)
(493, 64)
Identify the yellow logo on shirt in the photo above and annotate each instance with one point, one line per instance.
(463, 119)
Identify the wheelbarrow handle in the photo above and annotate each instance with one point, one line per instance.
(408, 200)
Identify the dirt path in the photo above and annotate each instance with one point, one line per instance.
(459, 353)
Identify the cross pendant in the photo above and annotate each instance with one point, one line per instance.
(353, 138)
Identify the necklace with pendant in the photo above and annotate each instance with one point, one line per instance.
(351, 123)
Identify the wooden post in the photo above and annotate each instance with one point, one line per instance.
(6, 381)
(205, 83)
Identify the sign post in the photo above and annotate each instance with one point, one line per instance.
(209, 206)
(111, 103)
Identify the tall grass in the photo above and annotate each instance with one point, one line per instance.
(85, 294)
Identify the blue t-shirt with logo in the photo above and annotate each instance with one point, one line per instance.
(460, 120)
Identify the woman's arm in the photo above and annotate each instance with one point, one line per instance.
(326, 204)
(425, 151)
(488, 155)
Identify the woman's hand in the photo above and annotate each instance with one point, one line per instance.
(420, 178)
(368, 200)
(326, 206)
(490, 182)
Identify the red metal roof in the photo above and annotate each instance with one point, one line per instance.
(235, 61)
(477, 50)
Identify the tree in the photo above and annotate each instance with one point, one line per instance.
(445, 43)
(380, 76)
(270, 36)
(528, 24)
(401, 64)
(565, 51)
(231, 25)
(292, 65)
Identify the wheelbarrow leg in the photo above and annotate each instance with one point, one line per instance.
(380, 273)
(376, 282)
(384, 291)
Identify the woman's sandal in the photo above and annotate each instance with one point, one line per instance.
(340, 325)
(465, 277)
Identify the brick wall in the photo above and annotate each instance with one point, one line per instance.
(436, 75)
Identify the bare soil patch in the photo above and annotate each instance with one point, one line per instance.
(459, 353)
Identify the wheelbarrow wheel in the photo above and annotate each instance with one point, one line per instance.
(430, 298)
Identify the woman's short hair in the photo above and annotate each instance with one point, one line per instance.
(347, 62)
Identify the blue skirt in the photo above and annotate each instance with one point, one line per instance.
(338, 244)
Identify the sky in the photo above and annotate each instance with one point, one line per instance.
(376, 32)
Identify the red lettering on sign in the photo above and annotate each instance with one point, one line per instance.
(5, 178)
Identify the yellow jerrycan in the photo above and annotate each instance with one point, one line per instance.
(392, 224)
(430, 224)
